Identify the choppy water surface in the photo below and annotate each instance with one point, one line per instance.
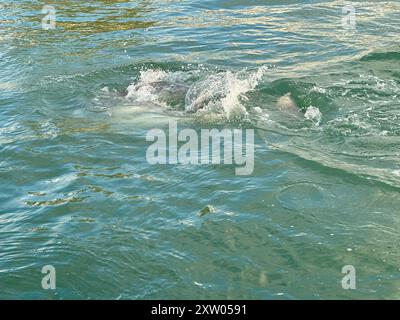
(77, 192)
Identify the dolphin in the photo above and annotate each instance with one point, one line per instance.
(286, 103)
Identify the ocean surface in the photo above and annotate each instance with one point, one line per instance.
(77, 193)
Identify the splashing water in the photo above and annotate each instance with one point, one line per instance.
(313, 114)
(223, 92)
(145, 89)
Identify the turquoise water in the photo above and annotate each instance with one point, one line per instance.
(77, 192)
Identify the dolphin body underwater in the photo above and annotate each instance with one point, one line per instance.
(286, 103)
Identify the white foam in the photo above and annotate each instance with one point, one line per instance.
(318, 89)
(223, 92)
(313, 114)
(144, 89)
(218, 93)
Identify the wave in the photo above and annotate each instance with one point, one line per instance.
(382, 56)
(332, 118)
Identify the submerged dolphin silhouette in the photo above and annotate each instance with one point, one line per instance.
(286, 103)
